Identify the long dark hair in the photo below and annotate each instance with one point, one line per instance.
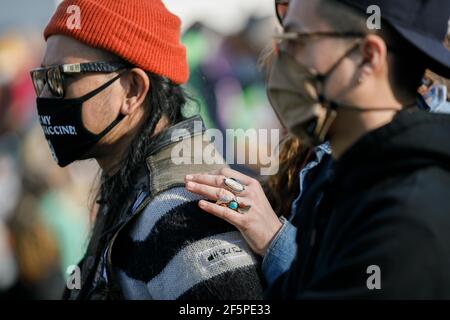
(165, 98)
(282, 189)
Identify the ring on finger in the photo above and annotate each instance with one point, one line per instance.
(224, 200)
(233, 204)
(234, 185)
(242, 208)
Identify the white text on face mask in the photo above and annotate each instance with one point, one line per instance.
(50, 130)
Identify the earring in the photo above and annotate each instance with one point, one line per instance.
(360, 79)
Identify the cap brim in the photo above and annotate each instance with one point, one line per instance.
(438, 55)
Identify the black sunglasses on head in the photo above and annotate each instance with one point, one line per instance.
(55, 76)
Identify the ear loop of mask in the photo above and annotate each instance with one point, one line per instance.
(331, 105)
(322, 78)
(112, 125)
(119, 117)
(97, 91)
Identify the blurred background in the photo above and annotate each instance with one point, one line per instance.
(44, 210)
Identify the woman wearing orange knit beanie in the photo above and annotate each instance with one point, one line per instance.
(110, 89)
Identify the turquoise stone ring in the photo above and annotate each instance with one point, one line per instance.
(233, 205)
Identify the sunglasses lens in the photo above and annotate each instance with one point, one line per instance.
(281, 9)
(55, 82)
(38, 78)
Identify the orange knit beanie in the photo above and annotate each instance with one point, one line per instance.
(142, 32)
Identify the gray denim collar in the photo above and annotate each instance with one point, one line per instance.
(162, 172)
(188, 127)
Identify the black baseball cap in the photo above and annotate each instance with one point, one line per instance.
(422, 23)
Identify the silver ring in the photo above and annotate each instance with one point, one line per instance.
(234, 185)
(225, 200)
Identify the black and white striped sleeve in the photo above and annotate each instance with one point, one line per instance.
(177, 251)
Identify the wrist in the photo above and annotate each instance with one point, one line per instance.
(277, 226)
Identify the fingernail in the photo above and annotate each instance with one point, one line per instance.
(190, 185)
(202, 203)
(189, 177)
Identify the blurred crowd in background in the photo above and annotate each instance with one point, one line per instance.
(45, 211)
(44, 216)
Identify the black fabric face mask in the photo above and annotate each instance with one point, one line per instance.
(61, 119)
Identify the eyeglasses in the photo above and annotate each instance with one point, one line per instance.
(284, 40)
(281, 7)
(55, 76)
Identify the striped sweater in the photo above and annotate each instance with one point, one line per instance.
(174, 250)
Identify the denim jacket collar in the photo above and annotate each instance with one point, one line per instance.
(190, 127)
(162, 171)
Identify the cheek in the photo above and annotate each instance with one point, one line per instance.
(92, 116)
(318, 55)
(91, 110)
(309, 57)
(98, 112)
(75, 89)
(342, 82)
(101, 110)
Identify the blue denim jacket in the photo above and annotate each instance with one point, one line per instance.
(436, 99)
(283, 248)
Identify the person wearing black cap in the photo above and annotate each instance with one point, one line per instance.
(380, 228)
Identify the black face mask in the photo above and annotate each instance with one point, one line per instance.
(61, 120)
